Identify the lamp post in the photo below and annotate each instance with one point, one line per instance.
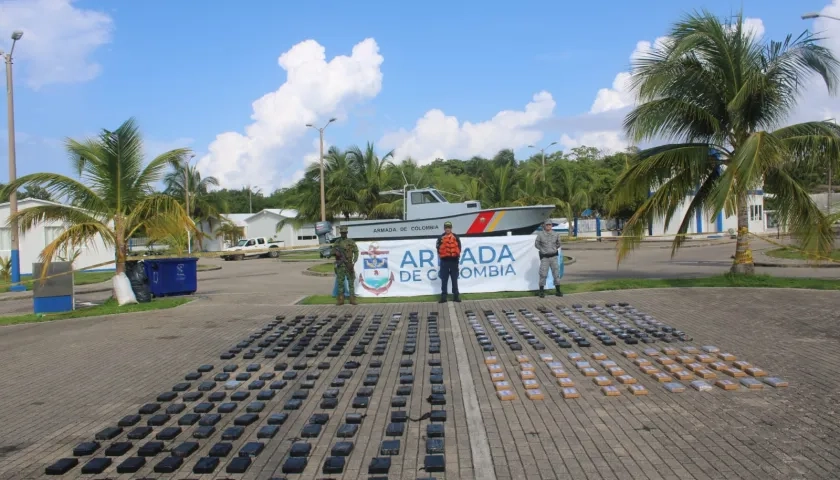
(828, 195)
(187, 199)
(321, 133)
(812, 15)
(542, 152)
(13, 206)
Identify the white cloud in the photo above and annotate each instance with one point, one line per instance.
(439, 135)
(816, 103)
(621, 96)
(58, 40)
(314, 90)
(608, 140)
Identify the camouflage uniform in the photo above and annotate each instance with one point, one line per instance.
(346, 253)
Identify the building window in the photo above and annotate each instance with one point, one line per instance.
(756, 212)
(5, 238)
(51, 233)
(307, 237)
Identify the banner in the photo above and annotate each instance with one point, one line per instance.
(406, 268)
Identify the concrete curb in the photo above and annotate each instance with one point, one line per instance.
(550, 297)
(648, 243)
(570, 261)
(771, 263)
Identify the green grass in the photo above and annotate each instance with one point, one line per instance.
(756, 281)
(81, 278)
(792, 254)
(110, 307)
(322, 268)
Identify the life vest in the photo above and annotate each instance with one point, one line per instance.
(449, 247)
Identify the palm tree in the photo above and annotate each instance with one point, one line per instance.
(203, 206)
(114, 197)
(229, 231)
(371, 175)
(718, 94)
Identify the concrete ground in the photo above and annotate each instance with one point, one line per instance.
(65, 381)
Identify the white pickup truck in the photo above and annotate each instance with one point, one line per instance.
(253, 247)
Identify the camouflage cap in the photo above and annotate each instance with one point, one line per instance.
(447, 224)
(342, 229)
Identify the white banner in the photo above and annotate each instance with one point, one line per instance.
(406, 268)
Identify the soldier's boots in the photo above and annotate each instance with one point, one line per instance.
(557, 290)
(353, 300)
(340, 300)
(542, 292)
(442, 298)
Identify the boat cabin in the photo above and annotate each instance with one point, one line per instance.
(430, 203)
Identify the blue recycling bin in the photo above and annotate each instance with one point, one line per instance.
(172, 276)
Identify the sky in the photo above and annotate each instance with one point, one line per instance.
(238, 82)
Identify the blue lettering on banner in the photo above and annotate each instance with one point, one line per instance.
(486, 262)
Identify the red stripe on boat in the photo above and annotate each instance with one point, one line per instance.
(480, 223)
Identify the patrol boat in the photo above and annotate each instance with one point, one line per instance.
(426, 209)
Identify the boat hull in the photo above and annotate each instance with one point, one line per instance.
(481, 223)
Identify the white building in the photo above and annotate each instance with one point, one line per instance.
(32, 243)
(700, 224)
(262, 224)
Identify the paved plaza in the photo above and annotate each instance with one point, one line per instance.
(66, 381)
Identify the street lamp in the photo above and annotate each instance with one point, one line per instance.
(828, 195)
(13, 206)
(542, 152)
(811, 15)
(323, 201)
(187, 198)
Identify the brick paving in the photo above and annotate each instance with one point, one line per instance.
(65, 381)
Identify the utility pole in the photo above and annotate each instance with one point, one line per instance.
(187, 198)
(542, 152)
(13, 203)
(323, 197)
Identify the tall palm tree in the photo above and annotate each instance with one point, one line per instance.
(113, 198)
(371, 175)
(229, 231)
(203, 206)
(718, 94)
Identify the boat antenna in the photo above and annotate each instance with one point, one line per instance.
(448, 193)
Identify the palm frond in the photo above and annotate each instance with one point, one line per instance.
(76, 236)
(30, 217)
(61, 187)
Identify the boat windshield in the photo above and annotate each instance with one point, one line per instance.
(425, 196)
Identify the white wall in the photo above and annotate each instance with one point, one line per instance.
(264, 224)
(210, 242)
(33, 242)
(305, 236)
(757, 219)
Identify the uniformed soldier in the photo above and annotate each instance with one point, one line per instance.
(548, 246)
(346, 253)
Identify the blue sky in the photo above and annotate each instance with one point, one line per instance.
(189, 74)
